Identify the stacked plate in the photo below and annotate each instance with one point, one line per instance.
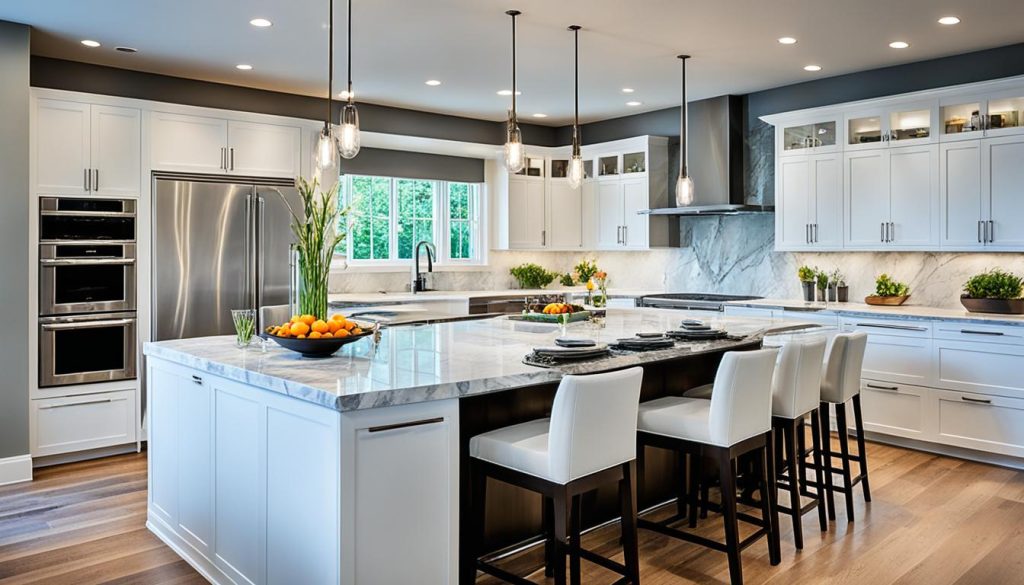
(645, 343)
(691, 330)
(559, 352)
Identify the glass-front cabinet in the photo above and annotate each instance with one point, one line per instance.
(634, 163)
(997, 114)
(534, 168)
(608, 166)
(810, 137)
(588, 168)
(559, 168)
(961, 117)
(901, 125)
(1005, 114)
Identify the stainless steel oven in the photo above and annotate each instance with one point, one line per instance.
(86, 277)
(79, 349)
(63, 219)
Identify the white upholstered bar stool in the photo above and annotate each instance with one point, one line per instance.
(589, 440)
(840, 383)
(736, 421)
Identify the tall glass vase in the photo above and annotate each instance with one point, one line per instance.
(312, 283)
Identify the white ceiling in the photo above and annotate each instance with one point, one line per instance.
(399, 44)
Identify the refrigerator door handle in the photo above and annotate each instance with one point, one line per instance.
(261, 206)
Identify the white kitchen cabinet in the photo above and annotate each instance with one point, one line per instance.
(983, 422)
(400, 471)
(818, 135)
(87, 149)
(894, 409)
(963, 207)
(979, 366)
(526, 214)
(740, 312)
(77, 423)
(866, 195)
(897, 351)
(1003, 190)
(609, 214)
(810, 196)
(981, 202)
(589, 214)
(883, 126)
(634, 225)
(263, 150)
(564, 215)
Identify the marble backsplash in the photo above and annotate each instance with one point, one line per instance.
(730, 254)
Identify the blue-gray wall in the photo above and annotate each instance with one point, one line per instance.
(14, 320)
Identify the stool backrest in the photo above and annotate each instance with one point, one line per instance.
(741, 401)
(841, 378)
(796, 388)
(593, 423)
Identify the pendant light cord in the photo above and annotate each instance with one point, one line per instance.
(513, 14)
(576, 90)
(350, 96)
(330, 64)
(683, 147)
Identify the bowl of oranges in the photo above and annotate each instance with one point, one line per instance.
(317, 338)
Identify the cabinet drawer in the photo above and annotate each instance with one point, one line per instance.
(65, 425)
(986, 423)
(731, 311)
(889, 327)
(980, 333)
(986, 368)
(893, 409)
(812, 317)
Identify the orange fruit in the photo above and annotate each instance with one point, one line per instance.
(314, 335)
(333, 325)
(356, 331)
(300, 337)
(342, 333)
(307, 319)
(300, 328)
(320, 326)
(294, 319)
(350, 325)
(337, 317)
(327, 335)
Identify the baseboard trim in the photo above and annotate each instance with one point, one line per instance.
(947, 450)
(202, 565)
(15, 469)
(76, 456)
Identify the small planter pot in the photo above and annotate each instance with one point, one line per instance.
(822, 295)
(833, 293)
(808, 288)
(886, 301)
(1001, 306)
(843, 294)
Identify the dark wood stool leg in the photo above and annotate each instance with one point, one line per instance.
(548, 519)
(844, 451)
(768, 465)
(818, 476)
(641, 451)
(792, 461)
(858, 421)
(696, 474)
(563, 510)
(478, 483)
(574, 541)
(732, 540)
(630, 538)
(826, 459)
(681, 484)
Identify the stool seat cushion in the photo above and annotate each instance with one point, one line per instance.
(522, 447)
(703, 392)
(678, 417)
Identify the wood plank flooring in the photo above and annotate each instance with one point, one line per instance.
(934, 520)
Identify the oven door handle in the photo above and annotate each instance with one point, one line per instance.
(66, 213)
(85, 261)
(87, 324)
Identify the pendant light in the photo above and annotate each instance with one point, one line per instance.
(575, 173)
(327, 144)
(515, 156)
(684, 184)
(349, 115)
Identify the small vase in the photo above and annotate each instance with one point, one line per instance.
(833, 293)
(808, 288)
(843, 294)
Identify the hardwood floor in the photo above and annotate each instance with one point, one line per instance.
(934, 520)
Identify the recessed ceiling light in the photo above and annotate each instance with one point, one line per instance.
(947, 20)
(344, 94)
(787, 40)
(628, 90)
(261, 22)
(812, 67)
(432, 82)
(899, 44)
(508, 92)
(634, 104)
(126, 49)
(89, 43)
(539, 115)
(243, 67)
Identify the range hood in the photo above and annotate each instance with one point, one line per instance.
(715, 136)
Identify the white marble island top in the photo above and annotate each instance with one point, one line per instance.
(433, 362)
(462, 295)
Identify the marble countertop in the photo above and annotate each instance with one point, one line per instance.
(901, 312)
(462, 295)
(439, 361)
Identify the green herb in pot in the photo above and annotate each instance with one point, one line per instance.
(994, 284)
(885, 286)
(806, 274)
(531, 275)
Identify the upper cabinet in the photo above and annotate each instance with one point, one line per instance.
(818, 135)
(968, 116)
(86, 149)
(213, 145)
(809, 202)
(906, 124)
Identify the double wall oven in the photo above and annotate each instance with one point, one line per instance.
(87, 290)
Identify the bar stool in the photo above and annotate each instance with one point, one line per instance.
(796, 390)
(589, 440)
(840, 384)
(736, 421)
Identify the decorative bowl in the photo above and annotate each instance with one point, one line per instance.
(318, 348)
(886, 301)
(1001, 306)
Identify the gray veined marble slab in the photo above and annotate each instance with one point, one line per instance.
(434, 362)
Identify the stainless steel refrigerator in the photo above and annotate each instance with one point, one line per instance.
(220, 243)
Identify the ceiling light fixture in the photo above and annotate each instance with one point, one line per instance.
(812, 67)
(243, 67)
(260, 22)
(949, 20)
(345, 94)
(684, 184)
(628, 90)
(634, 104)
(899, 44)
(515, 157)
(504, 92)
(327, 142)
(787, 41)
(432, 82)
(349, 115)
(575, 171)
(90, 44)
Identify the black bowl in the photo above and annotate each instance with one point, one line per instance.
(318, 348)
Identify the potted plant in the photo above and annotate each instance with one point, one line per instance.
(531, 275)
(821, 280)
(888, 292)
(995, 291)
(567, 280)
(837, 289)
(806, 274)
(585, 270)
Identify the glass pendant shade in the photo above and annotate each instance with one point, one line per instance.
(575, 173)
(326, 149)
(684, 191)
(515, 154)
(348, 138)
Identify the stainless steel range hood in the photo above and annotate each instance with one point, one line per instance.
(715, 135)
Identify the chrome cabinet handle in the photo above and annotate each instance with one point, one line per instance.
(86, 324)
(232, 155)
(223, 158)
(991, 231)
(887, 388)
(543, 237)
(196, 379)
(980, 222)
(898, 327)
(975, 332)
(84, 261)
(85, 179)
(807, 233)
(618, 234)
(882, 232)
(814, 233)
(104, 401)
(415, 423)
(96, 182)
(625, 235)
(976, 400)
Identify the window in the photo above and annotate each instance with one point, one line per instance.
(389, 216)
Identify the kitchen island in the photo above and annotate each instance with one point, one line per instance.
(266, 467)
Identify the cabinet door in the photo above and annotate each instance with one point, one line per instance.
(987, 368)
(195, 463)
(893, 409)
(897, 351)
(526, 214)
(609, 214)
(960, 194)
(162, 402)
(565, 204)
(1003, 182)
(263, 150)
(589, 214)
(79, 423)
(635, 199)
(794, 200)
(826, 215)
(976, 421)
(116, 147)
(62, 147)
(866, 195)
(188, 143)
(914, 196)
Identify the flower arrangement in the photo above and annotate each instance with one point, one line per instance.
(600, 278)
(585, 270)
(315, 241)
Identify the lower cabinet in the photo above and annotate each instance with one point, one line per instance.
(894, 409)
(78, 423)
